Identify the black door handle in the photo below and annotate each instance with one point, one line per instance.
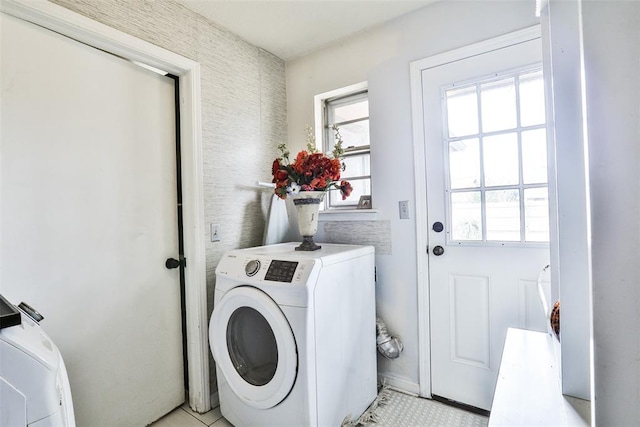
(438, 250)
(171, 263)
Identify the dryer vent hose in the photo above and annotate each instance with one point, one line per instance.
(388, 346)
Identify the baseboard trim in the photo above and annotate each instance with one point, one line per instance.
(400, 384)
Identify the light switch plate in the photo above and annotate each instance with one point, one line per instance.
(215, 232)
(403, 205)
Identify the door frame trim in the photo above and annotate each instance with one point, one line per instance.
(100, 36)
(422, 241)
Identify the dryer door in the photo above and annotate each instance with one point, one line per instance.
(254, 347)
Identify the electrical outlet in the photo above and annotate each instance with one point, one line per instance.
(404, 209)
(215, 232)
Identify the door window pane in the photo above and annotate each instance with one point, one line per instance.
(498, 100)
(464, 163)
(466, 216)
(497, 155)
(534, 156)
(252, 346)
(536, 214)
(462, 111)
(503, 215)
(501, 160)
(532, 110)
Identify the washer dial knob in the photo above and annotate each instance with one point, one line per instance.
(252, 267)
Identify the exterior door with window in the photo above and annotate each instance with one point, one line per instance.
(486, 180)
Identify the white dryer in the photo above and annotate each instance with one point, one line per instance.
(34, 385)
(293, 335)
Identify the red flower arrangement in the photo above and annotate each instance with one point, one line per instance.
(311, 170)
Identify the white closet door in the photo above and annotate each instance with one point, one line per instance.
(88, 217)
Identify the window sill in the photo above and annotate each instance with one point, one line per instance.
(349, 215)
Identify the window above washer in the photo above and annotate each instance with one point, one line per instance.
(348, 109)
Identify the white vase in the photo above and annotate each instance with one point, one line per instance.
(307, 206)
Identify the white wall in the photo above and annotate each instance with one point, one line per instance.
(382, 57)
(611, 32)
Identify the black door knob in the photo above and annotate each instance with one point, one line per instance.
(438, 250)
(172, 263)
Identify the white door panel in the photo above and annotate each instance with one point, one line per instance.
(89, 217)
(475, 288)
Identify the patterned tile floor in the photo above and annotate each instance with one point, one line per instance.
(400, 410)
(409, 411)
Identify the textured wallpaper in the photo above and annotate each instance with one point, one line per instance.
(243, 113)
(373, 233)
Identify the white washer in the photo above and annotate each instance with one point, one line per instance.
(34, 385)
(293, 334)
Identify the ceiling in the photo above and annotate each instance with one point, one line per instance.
(293, 28)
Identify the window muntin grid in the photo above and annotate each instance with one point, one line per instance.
(351, 114)
(495, 159)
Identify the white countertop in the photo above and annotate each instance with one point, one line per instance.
(528, 391)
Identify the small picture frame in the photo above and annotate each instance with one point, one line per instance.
(365, 202)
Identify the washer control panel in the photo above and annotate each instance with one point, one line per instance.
(281, 271)
(269, 270)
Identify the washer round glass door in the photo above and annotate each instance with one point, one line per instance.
(254, 347)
